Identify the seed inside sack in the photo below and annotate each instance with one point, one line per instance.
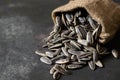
(73, 43)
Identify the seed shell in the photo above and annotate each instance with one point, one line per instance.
(115, 53)
(39, 53)
(91, 65)
(45, 60)
(99, 63)
(62, 61)
(74, 66)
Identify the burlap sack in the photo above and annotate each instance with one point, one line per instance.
(106, 12)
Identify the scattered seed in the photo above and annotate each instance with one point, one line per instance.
(74, 66)
(60, 69)
(115, 53)
(99, 63)
(62, 61)
(91, 65)
(39, 53)
(56, 75)
(52, 70)
(45, 60)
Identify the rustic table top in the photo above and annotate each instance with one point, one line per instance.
(23, 26)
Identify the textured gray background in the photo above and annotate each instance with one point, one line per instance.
(23, 25)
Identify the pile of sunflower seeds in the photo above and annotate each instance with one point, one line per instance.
(74, 43)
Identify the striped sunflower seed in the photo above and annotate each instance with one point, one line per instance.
(75, 44)
(59, 69)
(52, 70)
(89, 37)
(99, 63)
(62, 61)
(58, 45)
(56, 75)
(69, 17)
(39, 53)
(115, 53)
(83, 42)
(81, 19)
(90, 20)
(50, 54)
(64, 50)
(74, 66)
(45, 60)
(91, 65)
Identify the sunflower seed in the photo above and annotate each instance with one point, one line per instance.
(75, 44)
(58, 51)
(57, 57)
(75, 22)
(99, 63)
(95, 56)
(97, 32)
(79, 63)
(91, 22)
(91, 65)
(65, 41)
(83, 42)
(50, 37)
(79, 34)
(56, 28)
(65, 32)
(58, 40)
(58, 20)
(86, 59)
(73, 58)
(89, 37)
(56, 46)
(60, 69)
(56, 75)
(69, 17)
(45, 60)
(82, 62)
(45, 46)
(39, 53)
(50, 54)
(72, 28)
(74, 66)
(77, 14)
(64, 50)
(115, 53)
(52, 70)
(62, 61)
(84, 54)
(82, 19)
(89, 48)
(63, 19)
(72, 34)
(73, 52)
(83, 31)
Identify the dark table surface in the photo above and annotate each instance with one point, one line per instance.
(23, 25)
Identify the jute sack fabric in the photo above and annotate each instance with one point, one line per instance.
(105, 12)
